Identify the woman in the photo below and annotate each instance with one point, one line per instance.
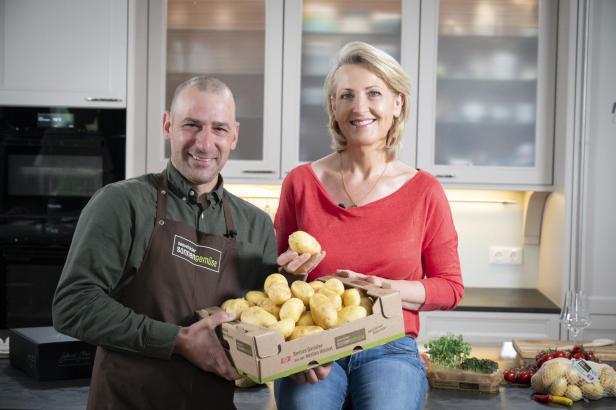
(378, 219)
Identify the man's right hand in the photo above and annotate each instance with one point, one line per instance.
(199, 344)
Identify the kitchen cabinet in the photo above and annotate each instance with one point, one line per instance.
(486, 91)
(238, 42)
(595, 192)
(63, 53)
(314, 32)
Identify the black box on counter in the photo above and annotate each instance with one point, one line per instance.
(45, 354)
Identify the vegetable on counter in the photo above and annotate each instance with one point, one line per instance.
(448, 351)
(479, 365)
(549, 398)
(520, 375)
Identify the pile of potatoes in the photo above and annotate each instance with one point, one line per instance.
(301, 308)
(558, 377)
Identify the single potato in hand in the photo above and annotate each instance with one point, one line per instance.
(302, 242)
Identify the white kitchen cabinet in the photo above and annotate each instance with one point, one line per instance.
(594, 236)
(315, 30)
(63, 53)
(238, 42)
(486, 91)
(488, 327)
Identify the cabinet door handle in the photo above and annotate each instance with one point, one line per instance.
(254, 171)
(445, 176)
(100, 99)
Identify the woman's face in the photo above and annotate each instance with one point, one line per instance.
(364, 106)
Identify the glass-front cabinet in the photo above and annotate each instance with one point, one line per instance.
(239, 42)
(315, 30)
(486, 91)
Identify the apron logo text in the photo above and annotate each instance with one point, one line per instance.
(199, 256)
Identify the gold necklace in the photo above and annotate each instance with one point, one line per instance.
(354, 203)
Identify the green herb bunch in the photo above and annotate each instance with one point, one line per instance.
(479, 365)
(448, 351)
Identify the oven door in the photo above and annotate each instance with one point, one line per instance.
(29, 276)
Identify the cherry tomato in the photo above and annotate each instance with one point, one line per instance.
(577, 356)
(524, 377)
(510, 376)
(590, 356)
(576, 349)
(558, 353)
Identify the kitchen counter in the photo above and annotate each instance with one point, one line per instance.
(18, 391)
(506, 300)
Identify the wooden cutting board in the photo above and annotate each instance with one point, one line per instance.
(529, 348)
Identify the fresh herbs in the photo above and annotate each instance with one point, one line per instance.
(479, 365)
(448, 351)
(452, 351)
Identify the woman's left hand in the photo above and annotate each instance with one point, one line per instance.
(368, 278)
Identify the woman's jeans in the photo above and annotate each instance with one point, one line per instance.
(388, 377)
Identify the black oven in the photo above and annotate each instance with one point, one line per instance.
(52, 161)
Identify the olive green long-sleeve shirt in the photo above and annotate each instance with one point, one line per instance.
(108, 247)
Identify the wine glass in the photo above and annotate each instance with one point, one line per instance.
(575, 314)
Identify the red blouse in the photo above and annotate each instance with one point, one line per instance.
(408, 234)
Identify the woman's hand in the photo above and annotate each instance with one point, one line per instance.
(346, 273)
(302, 264)
(313, 375)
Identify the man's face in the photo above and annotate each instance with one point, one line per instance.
(202, 131)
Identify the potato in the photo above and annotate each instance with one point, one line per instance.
(292, 309)
(572, 376)
(274, 278)
(558, 387)
(323, 311)
(351, 297)
(279, 293)
(257, 316)
(235, 306)
(305, 319)
(334, 298)
(302, 290)
(285, 327)
(336, 285)
(270, 307)
(254, 297)
(573, 392)
(301, 331)
(303, 242)
(350, 313)
(316, 284)
(592, 391)
(536, 382)
(366, 303)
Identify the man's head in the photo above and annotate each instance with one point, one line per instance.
(202, 130)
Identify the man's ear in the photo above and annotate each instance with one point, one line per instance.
(167, 125)
(235, 136)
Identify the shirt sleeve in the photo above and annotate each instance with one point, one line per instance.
(285, 222)
(441, 264)
(84, 306)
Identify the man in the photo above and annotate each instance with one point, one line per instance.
(149, 251)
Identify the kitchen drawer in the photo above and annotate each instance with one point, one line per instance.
(480, 327)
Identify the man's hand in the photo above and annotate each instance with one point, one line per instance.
(299, 264)
(313, 375)
(199, 345)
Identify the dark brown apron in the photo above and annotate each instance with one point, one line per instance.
(183, 270)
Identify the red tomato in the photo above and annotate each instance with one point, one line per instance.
(559, 353)
(577, 356)
(510, 376)
(524, 377)
(576, 349)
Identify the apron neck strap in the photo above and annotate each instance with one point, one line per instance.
(161, 206)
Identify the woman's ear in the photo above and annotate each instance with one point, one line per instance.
(398, 105)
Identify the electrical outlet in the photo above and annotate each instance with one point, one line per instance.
(506, 255)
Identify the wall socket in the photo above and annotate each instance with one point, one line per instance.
(506, 255)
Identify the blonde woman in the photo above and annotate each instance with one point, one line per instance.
(377, 218)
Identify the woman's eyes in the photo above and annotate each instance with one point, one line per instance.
(374, 93)
(370, 94)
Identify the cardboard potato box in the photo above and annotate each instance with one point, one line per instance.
(264, 355)
(457, 379)
(45, 354)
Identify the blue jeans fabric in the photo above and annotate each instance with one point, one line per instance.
(388, 377)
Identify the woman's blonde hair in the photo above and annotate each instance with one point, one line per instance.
(387, 69)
